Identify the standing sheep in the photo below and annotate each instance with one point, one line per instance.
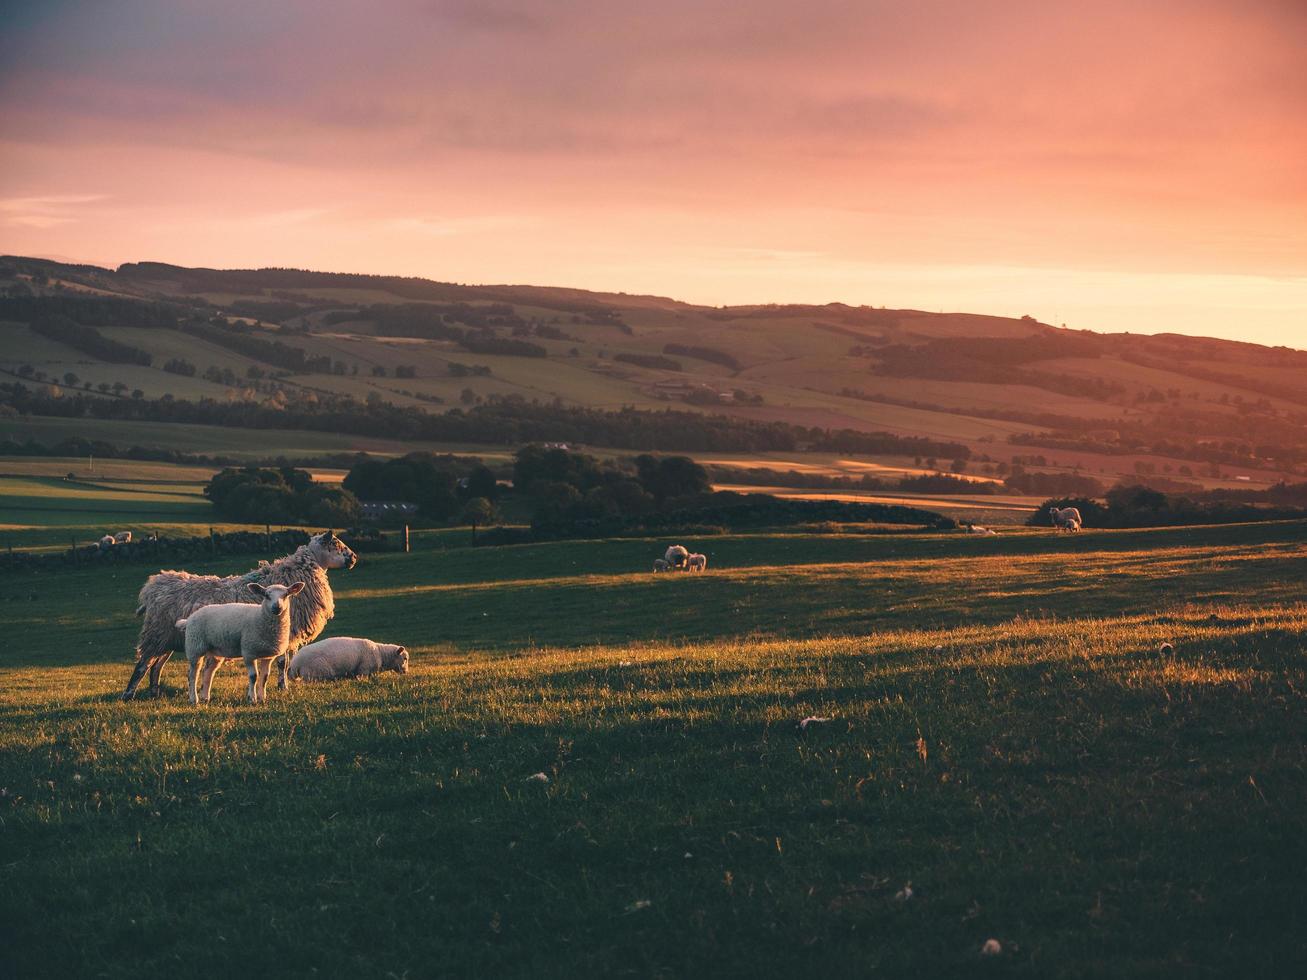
(257, 634)
(697, 563)
(677, 556)
(660, 565)
(170, 596)
(343, 657)
(123, 537)
(1065, 518)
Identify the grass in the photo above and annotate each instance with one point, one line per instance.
(1006, 737)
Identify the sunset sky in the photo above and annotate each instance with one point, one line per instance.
(1110, 165)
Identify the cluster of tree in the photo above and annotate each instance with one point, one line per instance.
(569, 487)
(440, 486)
(459, 370)
(432, 321)
(709, 354)
(179, 365)
(1057, 484)
(1140, 506)
(285, 495)
(1000, 360)
(481, 343)
(274, 352)
(507, 420)
(77, 447)
(91, 311)
(653, 361)
(88, 340)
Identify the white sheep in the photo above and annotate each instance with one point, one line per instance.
(106, 542)
(123, 537)
(697, 563)
(258, 634)
(677, 556)
(660, 565)
(1065, 518)
(170, 596)
(342, 657)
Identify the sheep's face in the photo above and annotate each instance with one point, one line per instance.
(276, 598)
(331, 552)
(401, 661)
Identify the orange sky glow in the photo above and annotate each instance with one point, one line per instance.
(1112, 166)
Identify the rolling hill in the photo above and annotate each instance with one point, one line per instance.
(1174, 410)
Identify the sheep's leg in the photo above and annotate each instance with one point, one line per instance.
(210, 668)
(262, 669)
(156, 669)
(142, 665)
(283, 665)
(193, 668)
(252, 693)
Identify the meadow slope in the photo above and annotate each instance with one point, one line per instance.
(1006, 740)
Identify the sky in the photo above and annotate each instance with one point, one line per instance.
(1108, 165)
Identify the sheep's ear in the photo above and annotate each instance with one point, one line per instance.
(328, 534)
(295, 589)
(258, 590)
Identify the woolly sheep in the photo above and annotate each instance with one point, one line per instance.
(123, 537)
(697, 563)
(343, 657)
(1065, 518)
(676, 556)
(660, 565)
(258, 634)
(170, 596)
(106, 542)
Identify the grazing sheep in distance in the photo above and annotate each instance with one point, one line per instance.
(977, 529)
(123, 537)
(697, 563)
(676, 556)
(660, 565)
(170, 596)
(258, 634)
(344, 657)
(1065, 518)
(106, 542)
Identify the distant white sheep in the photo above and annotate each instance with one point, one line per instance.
(977, 529)
(697, 563)
(677, 556)
(123, 537)
(344, 657)
(258, 634)
(1066, 518)
(106, 542)
(660, 565)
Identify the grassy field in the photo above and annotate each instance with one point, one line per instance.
(1009, 756)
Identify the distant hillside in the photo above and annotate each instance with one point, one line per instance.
(1013, 391)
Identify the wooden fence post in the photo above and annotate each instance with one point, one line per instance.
(76, 559)
(213, 543)
(406, 545)
(267, 537)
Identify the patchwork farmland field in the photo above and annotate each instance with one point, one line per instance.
(1010, 755)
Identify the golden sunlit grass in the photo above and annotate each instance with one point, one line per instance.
(1091, 748)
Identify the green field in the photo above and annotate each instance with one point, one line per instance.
(1006, 740)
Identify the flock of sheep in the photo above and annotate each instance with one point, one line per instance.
(678, 559)
(212, 620)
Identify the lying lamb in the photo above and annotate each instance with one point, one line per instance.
(660, 565)
(258, 634)
(344, 657)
